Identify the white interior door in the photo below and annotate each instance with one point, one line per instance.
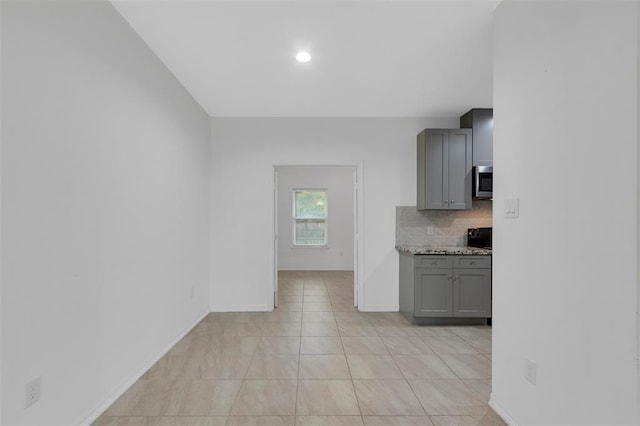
(275, 237)
(356, 232)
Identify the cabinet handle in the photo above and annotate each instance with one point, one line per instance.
(449, 277)
(452, 201)
(473, 262)
(434, 262)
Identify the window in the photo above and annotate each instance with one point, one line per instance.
(309, 217)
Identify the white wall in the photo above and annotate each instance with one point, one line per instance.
(339, 183)
(565, 276)
(105, 184)
(1, 133)
(244, 152)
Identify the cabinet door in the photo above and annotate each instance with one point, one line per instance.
(472, 293)
(483, 137)
(432, 169)
(433, 293)
(481, 121)
(459, 170)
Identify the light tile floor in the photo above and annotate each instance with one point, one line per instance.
(315, 361)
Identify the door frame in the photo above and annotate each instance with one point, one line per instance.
(358, 234)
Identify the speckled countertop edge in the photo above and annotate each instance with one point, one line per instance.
(443, 250)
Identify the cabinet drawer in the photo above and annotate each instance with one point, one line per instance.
(436, 261)
(472, 262)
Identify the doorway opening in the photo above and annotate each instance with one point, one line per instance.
(316, 228)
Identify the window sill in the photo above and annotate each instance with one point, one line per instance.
(300, 247)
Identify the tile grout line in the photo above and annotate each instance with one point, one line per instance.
(353, 385)
(454, 373)
(445, 363)
(295, 404)
(407, 380)
(246, 373)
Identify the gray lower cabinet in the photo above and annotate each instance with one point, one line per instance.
(444, 169)
(434, 286)
(472, 293)
(433, 293)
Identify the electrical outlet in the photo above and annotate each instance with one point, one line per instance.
(530, 371)
(33, 389)
(193, 292)
(429, 230)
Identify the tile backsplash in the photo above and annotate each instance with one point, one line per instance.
(449, 226)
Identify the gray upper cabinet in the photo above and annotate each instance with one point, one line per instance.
(480, 120)
(444, 169)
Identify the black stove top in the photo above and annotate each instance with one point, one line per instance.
(480, 237)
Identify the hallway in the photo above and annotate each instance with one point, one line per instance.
(315, 360)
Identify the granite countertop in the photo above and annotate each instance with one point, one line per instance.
(443, 250)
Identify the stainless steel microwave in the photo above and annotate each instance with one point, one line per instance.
(482, 182)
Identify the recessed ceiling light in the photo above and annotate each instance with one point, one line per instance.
(303, 56)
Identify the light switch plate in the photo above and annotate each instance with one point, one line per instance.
(511, 208)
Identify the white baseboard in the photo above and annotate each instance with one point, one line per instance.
(379, 308)
(242, 308)
(117, 394)
(501, 412)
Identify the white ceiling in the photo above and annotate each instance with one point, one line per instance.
(369, 58)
